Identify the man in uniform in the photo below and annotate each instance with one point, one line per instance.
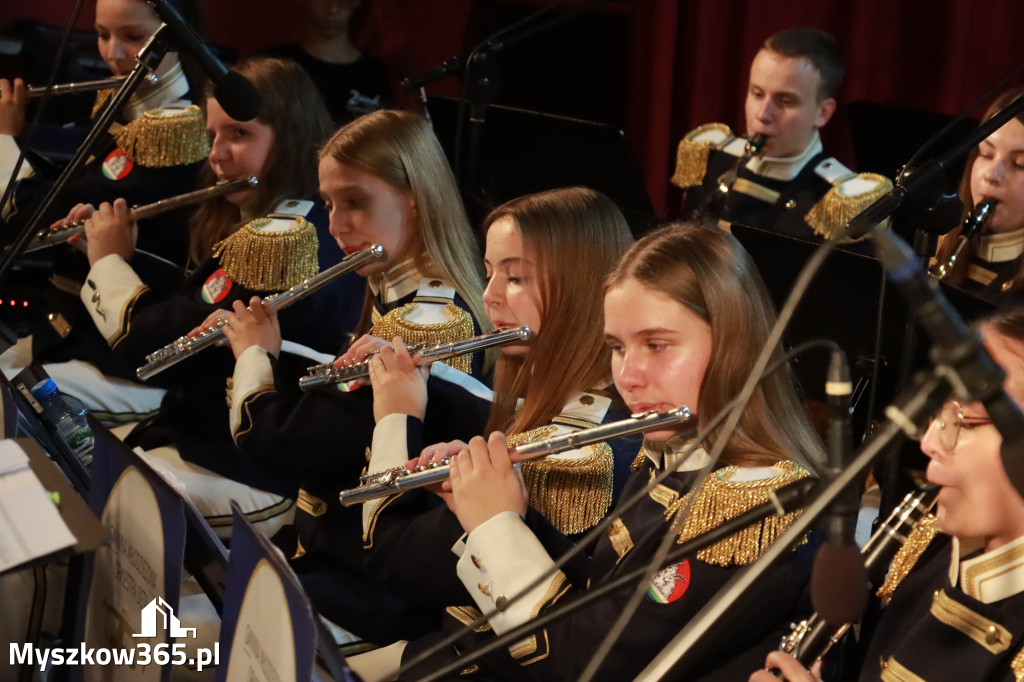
(787, 183)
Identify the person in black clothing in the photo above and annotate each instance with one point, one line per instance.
(352, 83)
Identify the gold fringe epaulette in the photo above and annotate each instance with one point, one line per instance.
(906, 558)
(719, 499)
(162, 138)
(459, 326)
(833, 211)
(692, 155)
(574, 494)
(1017, 666)
(101, 99)
(270, 260)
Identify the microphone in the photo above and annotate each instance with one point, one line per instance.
(442, 70)
(839, 580)
(235, 94)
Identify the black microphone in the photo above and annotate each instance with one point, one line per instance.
(235, 94)
(442, 70)
(839, 580)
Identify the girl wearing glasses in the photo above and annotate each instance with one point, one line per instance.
(957, 613)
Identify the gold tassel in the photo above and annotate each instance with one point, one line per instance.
(459, 326)
(101, 99)
(1017, 666)
(269, 260)
(830, 215)
(573, 494)
(162, 138)
(719, 499)
(692, 156)
(907, 556)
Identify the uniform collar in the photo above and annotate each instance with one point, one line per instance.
(991, 576)
(673, 453)
(787, 168)
(396, 282)
(172, 86)
(999, 248)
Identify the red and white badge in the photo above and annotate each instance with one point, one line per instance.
(217, 287)
(670, 583)
(117, 165)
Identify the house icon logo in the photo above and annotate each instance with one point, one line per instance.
(159, 609)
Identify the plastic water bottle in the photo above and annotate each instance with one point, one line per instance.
(68, 415)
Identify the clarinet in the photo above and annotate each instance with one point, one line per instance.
(811, 639)
(184, 347)
(713, 204)
(53, 236)
(391, 481)
(327, 373)
(972, 225)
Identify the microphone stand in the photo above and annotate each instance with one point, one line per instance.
(786, 499)
(148, 59)
(908, 414)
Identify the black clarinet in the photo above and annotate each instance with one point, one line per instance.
(811, 639)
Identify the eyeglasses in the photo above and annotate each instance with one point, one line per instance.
(949, 420)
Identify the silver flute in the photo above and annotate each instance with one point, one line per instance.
(48, 237)
(391, 481)
(83, 86)
(811, 639)
(186, 346)
(327, 373)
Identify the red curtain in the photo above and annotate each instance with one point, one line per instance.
(689, 61)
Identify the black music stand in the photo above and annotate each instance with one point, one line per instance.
(523, 151)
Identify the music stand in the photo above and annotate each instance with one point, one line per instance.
(523, 152)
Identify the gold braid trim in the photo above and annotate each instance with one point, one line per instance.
(574, 494)
(101, 99)
(267, 260)
(1017, 666)
(459, 326)
(467, 615)
(907, 556)
(830, 215)
(162, 138)
(692, 156)
(719, 499)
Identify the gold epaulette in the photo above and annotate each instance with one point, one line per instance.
(573, 493)
(101, 98)
(693, 151)
(270, 254)
(162, 138)
(1017, 666)
(906, 558)
(719, 499)
(458, 326)
(843, 201)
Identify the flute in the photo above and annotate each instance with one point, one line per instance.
(53, 236)
(327, 373)
(391, 481)
(83, 86)
(184, 347)
(811, 639)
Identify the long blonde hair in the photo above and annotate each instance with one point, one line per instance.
(400, 148)
(292, 106)
(575, 236)
(708, 272)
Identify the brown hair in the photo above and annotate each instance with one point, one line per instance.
(708, 272)
(294, 109)
(948, 242)
(574, 236)
(817, 47)
(400, 148)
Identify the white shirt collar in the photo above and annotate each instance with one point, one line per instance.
(991, 576)
(396, 282)
(673, 453)
(787, 168)
(999, 248)
(172, 86)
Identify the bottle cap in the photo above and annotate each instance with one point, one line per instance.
(43, 389)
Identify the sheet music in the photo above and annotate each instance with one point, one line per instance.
(30, 523)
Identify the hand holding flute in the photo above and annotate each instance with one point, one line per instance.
(108, 230)
(13, 98)
(255, 325)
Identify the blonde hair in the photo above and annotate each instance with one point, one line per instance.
(575, 236)
(708, 272)
(400, 148)
(293, 108)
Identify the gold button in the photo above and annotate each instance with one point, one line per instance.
(435, 283)
(587, 400)
(95, 296)
(992, 634)
(791, 204)
(501, 601)
(1007, 284)
(476, 560)
(293, 203)
(484, 588)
